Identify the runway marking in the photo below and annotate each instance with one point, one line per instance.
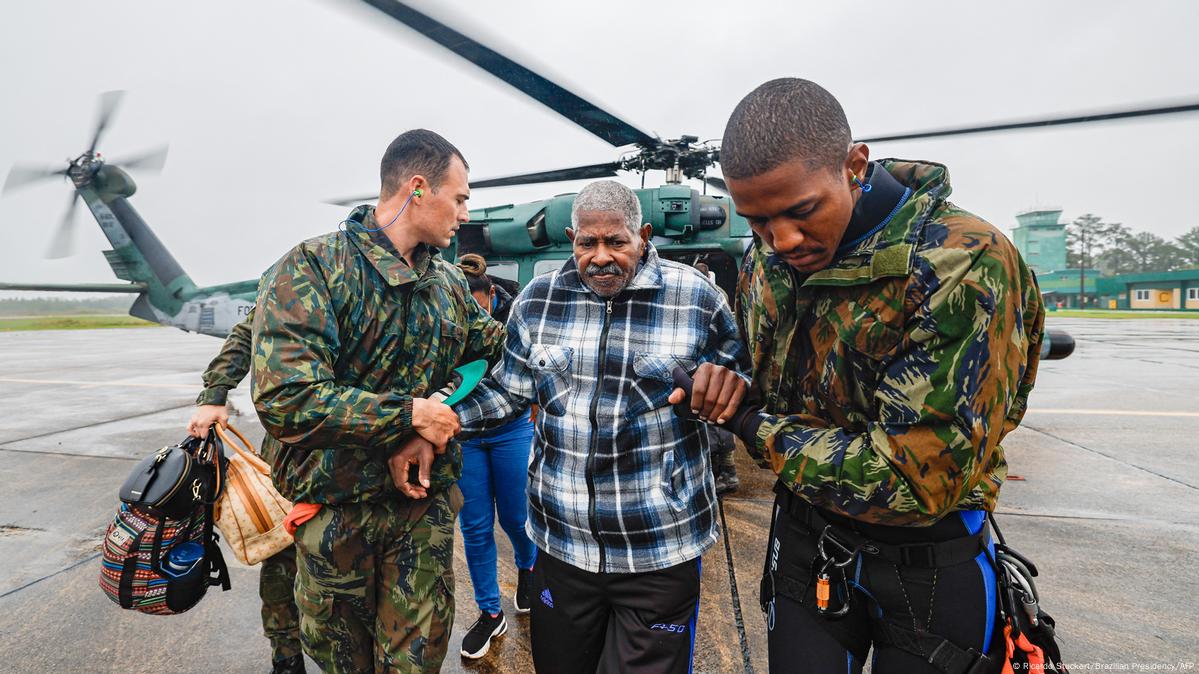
(4, 445)
(97, 384)
(81, 562)
(1109, 456)
(1115, 413)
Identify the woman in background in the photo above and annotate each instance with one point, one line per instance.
(494, 474)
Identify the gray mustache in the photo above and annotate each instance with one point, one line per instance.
(612, 268)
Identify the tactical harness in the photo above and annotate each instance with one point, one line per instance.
(1028, 631)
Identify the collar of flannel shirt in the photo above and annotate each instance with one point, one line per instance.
(648, 276)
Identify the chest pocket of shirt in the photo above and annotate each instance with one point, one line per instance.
(654, 381)
(550, 364)
(853, 371)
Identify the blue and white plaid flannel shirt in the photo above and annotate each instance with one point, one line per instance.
(617, 482)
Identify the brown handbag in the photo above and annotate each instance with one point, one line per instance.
(250, 512)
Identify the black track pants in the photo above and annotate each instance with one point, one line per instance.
(957, 602)
(613, 622)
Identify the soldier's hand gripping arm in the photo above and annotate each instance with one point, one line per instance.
(223, 374)
(507, 391)
(295, 345)
(715, 391)
(959, 382)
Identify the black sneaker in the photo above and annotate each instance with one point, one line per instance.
(478, 637)
(726, 484)
(521, 599)
(292, 665)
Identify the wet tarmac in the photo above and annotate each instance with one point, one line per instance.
(1107, 505)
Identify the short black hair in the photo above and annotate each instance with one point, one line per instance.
(783, 120)
(414, 152)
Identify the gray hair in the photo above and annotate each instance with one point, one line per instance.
(608, 195)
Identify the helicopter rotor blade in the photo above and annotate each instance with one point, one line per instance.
(1029, 124)
(353, 201)
(64, 237)
(151, 160)
(606, 170)
(109, 101)
(586, 114)
(24, 174)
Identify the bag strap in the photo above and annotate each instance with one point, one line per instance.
(946, 656)
(212, 453)
(143, 481)
(128, 571)
(213, 558)
(147, 476)
(156, 544)
(156, 552)
(242, 447)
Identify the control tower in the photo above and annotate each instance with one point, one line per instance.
(1041, 239)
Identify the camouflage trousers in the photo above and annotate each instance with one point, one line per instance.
(375, 584)
(280, 620)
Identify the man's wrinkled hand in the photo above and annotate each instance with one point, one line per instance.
(418, 451)
(204, 417)
(716, 393)
(435, 421)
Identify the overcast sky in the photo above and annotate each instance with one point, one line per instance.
(271, 106)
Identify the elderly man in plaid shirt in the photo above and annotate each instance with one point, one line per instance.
(621, 498)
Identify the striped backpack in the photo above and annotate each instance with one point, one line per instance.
(163, 564)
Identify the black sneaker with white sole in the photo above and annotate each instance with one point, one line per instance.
(478, 638)
(523, 582)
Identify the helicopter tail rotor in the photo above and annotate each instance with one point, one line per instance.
(27, 174)
(63, 243)
(109, 101)
(151, 160)
(82, 170)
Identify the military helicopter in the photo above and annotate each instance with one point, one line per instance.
(165, 293)
(521, 241)
(518, 240)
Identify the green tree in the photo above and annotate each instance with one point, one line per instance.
(1188, 248)
(1115, 259)
(1086, 238)
(1151, 252)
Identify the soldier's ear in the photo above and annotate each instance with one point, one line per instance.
(856, 162)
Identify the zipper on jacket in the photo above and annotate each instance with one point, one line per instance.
(592, 517)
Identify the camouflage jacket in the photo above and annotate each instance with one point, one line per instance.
(345, 336)
(889, 378)
(230, 365)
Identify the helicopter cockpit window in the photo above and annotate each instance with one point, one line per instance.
(542, 266)
(505, 270)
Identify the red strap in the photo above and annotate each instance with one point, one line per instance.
(300, 513)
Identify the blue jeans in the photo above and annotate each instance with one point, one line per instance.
(495, 470)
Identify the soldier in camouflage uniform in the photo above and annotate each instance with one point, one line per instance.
(895, 340)
(353, 331)
(277, 575)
